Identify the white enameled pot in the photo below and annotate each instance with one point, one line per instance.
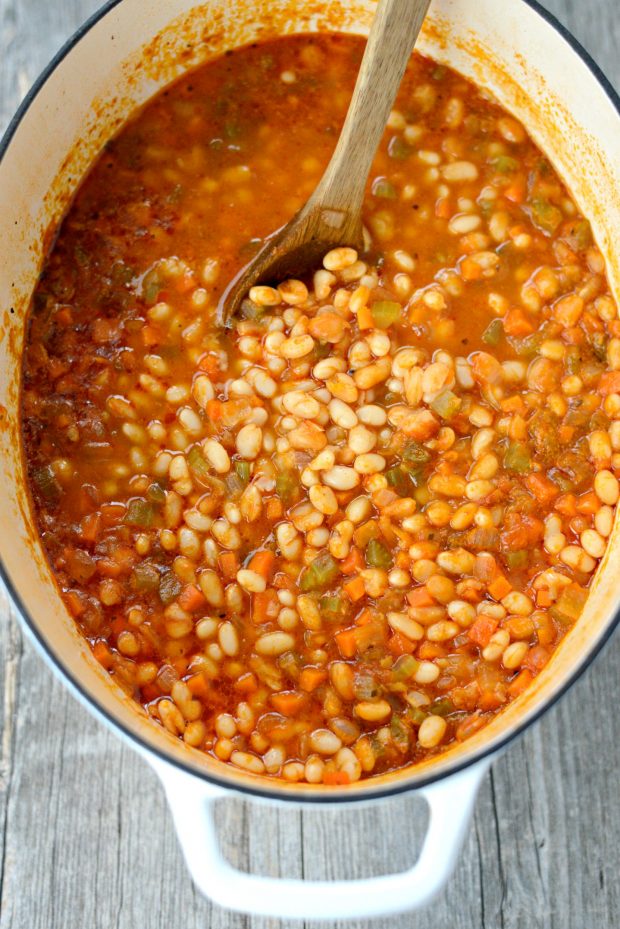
(120, 58)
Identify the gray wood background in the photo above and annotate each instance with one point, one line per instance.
(86, 840)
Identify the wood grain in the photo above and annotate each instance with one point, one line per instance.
(86, 840)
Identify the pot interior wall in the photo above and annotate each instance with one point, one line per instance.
(117, 65)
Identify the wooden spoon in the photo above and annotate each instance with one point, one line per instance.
(333, 214)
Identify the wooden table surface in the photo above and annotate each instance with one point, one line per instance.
(86, 839)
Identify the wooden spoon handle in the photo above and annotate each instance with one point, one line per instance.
(394, 30)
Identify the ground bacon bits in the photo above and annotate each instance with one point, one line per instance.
(346, 534)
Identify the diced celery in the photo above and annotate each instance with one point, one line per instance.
(517, 457)
(415, 455)
(198, 463)
(545, 215)
(383, 188)
(398, 148)
(139, 513)
(378, 555)
(365, 686)
(243, 471)
(333, 609)
(287, 486)
(442, 707)
(321, 573)
(504, 164)
(385, 312)
(47, 484)
(517, 560)
(156, 493)
(404, 667)
(570, 604)
(493, 332)
(400, 733)
(169, 588)
(400, 481)
(144, 577)
(446, 404)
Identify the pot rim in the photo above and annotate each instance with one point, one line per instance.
(85, 696)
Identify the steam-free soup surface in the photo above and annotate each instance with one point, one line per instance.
(345, 534)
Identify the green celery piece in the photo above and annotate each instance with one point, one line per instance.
(446, 404)
(517, 458)
(145, 577)
(198, 463)
(169, 588)
(320, 573)
(243, 471)
(385, 312)
(545, 215)
(400, 481)
(383, 188)
(493, 333)
(378, 555)
(139, 513)
(404, 668)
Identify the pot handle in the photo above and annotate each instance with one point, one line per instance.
(450, 801)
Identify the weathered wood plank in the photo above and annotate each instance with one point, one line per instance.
(85, 836)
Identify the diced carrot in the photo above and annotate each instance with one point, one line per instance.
(274, 509)
(199, 686)
(367, 531)
(543, 597)
(428, 651)
(75, 603)
(288, 702)
(363, 618)
(283, 582)
(263, 563)
(310, 678)
(514, 404)
(400, 645)
(191, 598)
(536, 658)
(492, 699)
(469, 725)
(442, 208)
(515, 192)
(149, 692)
(499, 587)
(364, 318)
(346, 642)
(354, 588)
(149, 336)
(470, 269)
(609, 383)
(420, 597)
(542, 487)
(566, 504)
(64, 316)
(565, 434)
(103, 654)
(180, 665)
(265, 606)
(520, 683)
(90, 527)
(482, 629)
(517, 322)
(214, 410)
(229, 565)
(353, 562)
(336, 777)
(247, 683)
(588, 504)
